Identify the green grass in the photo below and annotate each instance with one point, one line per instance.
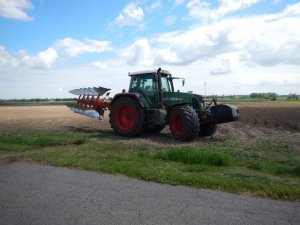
(194, 156)
(23, 141)
(269, 169)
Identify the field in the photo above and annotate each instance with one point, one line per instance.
(257, 120)
(258, 155)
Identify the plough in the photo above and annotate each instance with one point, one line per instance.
(92, 101)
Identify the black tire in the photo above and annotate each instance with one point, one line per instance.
(184, 123)
(207, 129)
(155, 129)
(127, 118)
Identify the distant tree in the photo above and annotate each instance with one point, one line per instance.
(292, 96)
(273, 96)
(254, 95)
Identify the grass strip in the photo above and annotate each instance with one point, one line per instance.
(266, 168)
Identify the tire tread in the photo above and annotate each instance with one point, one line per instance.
(191, 123)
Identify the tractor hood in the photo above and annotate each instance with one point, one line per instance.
(174, 98)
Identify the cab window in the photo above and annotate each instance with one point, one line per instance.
(133, 84)
(165, 84)
(147, 83)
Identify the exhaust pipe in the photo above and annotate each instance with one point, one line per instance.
(160, 90)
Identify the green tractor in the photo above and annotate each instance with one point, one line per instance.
(151, 103)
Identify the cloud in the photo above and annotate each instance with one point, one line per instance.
(67, 47)
(155, 5)
(131, 15)
(252, 53)
(166, 56)
(15, 9)
(179, 2)
(6, 58)
(220, 68)
(169, 20)
(265, 40)
(72, 47)
(99, 65)
(44, 59)
(270, 40)
(202, 9)
(142, 53)
(138, 53)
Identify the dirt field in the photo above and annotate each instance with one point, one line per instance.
(257, 121)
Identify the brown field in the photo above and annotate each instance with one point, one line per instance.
(257, 120)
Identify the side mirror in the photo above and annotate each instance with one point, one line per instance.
(183, 82)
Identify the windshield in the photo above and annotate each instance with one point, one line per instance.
(165, 84)
(147, 83)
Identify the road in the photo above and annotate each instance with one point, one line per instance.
(38, 194)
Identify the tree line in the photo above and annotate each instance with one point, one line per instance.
(38, 100)
(269, 95)
(263, 95)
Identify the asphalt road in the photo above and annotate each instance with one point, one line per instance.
(37, 194)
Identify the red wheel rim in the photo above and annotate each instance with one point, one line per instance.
(125, 117)
(177, 124)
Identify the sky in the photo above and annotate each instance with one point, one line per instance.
(235, 47)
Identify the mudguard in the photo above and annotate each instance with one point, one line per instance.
(137, 96)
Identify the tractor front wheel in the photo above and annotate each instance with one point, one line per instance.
(127, 117)
(184, 123)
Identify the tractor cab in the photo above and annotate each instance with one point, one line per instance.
(153, 86)
(149, 84)
(147, 81)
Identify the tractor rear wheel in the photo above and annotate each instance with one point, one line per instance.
(184, 123)
(127, 117)
(207, 129)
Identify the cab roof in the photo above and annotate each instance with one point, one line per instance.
(163, 72)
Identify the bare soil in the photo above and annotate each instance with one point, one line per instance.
(272, 121)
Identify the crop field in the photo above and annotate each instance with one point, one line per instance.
(257, 155)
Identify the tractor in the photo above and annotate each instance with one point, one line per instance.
(151, 103)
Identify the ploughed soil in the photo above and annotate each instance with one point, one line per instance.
(280, 121)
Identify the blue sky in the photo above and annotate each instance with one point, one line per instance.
(235, 46)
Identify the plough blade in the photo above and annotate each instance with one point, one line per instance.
(90, 91)
(90, 112)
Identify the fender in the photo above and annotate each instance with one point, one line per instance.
(137, 96)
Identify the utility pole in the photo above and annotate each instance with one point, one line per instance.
(204, 88)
